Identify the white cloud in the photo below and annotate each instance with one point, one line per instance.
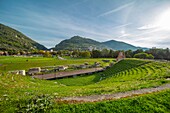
(146, 33)
(124, 35)
(120, 26)
(146, 27)
(117, 9)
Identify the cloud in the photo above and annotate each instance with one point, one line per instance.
(49, 26)
(116, 10)
(55, 27)
(120, 26)
(124, 35)
(151, 31)
(146, 27)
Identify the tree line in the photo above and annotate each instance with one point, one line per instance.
(153, 53)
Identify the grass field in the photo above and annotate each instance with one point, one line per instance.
(16, 91)
(17, 63)
(151, 103)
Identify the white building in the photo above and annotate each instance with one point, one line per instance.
(83, 66)
(22, 72)
(18, 72)
(32, 71)
(62, 68)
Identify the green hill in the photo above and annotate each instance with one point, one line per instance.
(11, 39)
(80, 43)
(117, 45)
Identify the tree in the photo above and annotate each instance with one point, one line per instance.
(111, 53)
(167, 53)
(144, 56)
(96, 54)
(150, 56)
(59, 53)
(42, 52)
(141, 55)
(105, 53)
(116, 53)
(129, 54)
(75, 53)
(137, 51)
(47, 54)
(85, 54)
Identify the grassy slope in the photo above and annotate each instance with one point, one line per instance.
(118, 67)
(150, 103)
(16, 63)
(124, 76)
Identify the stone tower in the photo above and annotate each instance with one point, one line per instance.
(120, 57)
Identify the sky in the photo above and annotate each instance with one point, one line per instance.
(144, 23)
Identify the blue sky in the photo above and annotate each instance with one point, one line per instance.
(144, 23)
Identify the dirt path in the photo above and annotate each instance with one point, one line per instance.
(94, 98)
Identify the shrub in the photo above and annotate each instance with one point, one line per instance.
(144, 56)
(150, 56)
(36, 104)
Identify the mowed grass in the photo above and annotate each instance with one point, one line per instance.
(90, 79)
(129, 74)
(17, 63)
(147, 103)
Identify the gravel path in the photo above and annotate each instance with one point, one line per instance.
(94, 98)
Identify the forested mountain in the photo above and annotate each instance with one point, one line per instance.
(81, 43)
(11, 39)
(117, 45)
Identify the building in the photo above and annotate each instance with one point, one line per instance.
(96, 64)
(33, 71)
(22, 72)
(18, 72)
(120, 57)
(83, 66)
(62, 68)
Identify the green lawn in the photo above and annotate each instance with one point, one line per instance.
(16, 63)
(129, 74)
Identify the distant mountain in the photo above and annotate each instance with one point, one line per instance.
(11, 39)
(117, 45)
(79, 43)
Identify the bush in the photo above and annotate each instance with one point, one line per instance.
(85, 54)
(150, 56)
(36, 104)
(144, 56)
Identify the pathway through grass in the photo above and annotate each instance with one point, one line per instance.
(94, 98)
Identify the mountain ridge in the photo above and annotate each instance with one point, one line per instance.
(119, 45)
(12, 39)
(82, 43)
(77, 42)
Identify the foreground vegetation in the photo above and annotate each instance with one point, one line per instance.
(24, 93)
(150, 103)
